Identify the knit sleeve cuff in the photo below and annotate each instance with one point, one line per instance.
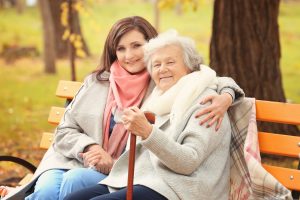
(229, 91)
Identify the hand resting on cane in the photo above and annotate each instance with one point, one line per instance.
(136, 122)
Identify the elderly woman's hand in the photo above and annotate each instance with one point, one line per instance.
(215, 112)
(135, 121)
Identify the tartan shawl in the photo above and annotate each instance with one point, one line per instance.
(248, 179)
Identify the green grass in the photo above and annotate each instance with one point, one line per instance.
(289, 21)
(27, 93)
(22, 29)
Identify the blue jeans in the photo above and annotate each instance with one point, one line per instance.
(55, 184)
(101, 192)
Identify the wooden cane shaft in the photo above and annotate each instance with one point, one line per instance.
(131, 167)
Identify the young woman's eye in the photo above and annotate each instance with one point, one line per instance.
(120, 49)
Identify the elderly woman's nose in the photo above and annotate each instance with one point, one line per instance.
(163, 68)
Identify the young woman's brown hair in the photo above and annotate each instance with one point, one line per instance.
(120, 28)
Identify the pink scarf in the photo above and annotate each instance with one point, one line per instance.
(125, 90)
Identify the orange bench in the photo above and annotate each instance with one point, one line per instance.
(66, 90)
(270, 143)
(279, 144)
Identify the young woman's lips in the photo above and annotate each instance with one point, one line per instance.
(133, 62)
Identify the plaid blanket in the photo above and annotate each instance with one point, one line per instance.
(248, 179)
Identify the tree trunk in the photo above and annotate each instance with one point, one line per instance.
(48, 33)
(156, 13)
(77, 30)
(61, 46)
(19, 6)
(245, 46)
(71, 46)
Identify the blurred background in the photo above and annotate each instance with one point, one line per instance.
(35, 38)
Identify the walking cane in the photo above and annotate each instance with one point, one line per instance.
(151, 118)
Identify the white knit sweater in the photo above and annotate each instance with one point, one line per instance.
(189, 162)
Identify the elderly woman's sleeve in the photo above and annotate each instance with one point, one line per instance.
(228, 85)
(69, 138)
(193, 146)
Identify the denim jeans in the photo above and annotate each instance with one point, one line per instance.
(55, 184)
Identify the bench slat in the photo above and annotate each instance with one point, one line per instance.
(67, 89)
(290, 178)
(46, 140)
(55, 115)
(277, 112)
(26, 179)
(277, 144)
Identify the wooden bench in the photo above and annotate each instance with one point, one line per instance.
(66, 90)
(270, 143)
(279, 144)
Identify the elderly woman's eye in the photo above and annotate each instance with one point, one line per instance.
(156, 65)
(170, 62)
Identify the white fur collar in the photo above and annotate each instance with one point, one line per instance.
(180, 96)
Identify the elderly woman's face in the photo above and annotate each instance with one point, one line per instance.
(130, 53)
(168, 66)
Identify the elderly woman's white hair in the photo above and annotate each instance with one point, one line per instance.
(192, 59)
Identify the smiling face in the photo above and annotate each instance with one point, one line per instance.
(130, 52)
(168, 66)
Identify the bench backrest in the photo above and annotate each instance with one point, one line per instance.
(279, 144)
(269, 143)
(66, 90)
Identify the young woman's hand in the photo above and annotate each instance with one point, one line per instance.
(215, 112)
(95, 157)
(134, 120)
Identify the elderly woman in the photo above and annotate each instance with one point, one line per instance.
(176, 158)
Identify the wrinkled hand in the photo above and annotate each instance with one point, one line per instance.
(135, 121)
(95, 156)
(4, 190)
(215, 112)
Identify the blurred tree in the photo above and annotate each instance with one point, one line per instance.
(62, 32)
(49, 37)
(179, 6)
(19, 6)
(245, 45)
(61, 44)
(156, 14)
(72, 38)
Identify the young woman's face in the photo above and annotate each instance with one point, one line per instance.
(130, 52)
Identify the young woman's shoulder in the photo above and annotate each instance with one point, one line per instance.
(94, 78)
